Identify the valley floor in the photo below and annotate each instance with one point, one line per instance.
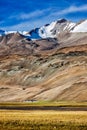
(42, 120)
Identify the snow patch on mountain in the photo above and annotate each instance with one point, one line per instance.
(72, 25)
(9, 32)
(82, 27)
(25, 33)
(46, 31)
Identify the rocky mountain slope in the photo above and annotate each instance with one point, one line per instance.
(52, 67)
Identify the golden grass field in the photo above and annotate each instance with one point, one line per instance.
(39, 119)
(42, 120)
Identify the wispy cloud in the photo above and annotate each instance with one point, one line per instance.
(71, 9)
(37, 18)
(34, 14)
(27, 25)
(30, 15)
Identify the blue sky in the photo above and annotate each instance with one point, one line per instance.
(29, 14)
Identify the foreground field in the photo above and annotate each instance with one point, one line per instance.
(42, 120)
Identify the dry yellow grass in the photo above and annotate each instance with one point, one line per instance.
(43, 120)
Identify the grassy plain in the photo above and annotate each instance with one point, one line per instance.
(42, 120)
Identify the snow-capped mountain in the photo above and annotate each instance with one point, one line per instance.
(55, 27)
(51, 30)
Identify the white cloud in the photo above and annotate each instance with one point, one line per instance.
(71, 9)
(48, 15)
(33, 14)
(27, 25)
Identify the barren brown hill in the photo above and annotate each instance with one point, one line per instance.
(47, 69)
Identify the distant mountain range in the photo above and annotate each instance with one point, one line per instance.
(51, 30)
(58, 34)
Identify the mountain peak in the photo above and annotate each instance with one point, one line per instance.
(61, 20)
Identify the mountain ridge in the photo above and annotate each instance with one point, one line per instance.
(51, 30)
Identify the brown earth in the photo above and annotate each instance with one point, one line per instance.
(47, 69)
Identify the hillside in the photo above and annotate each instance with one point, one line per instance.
(43, 69)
